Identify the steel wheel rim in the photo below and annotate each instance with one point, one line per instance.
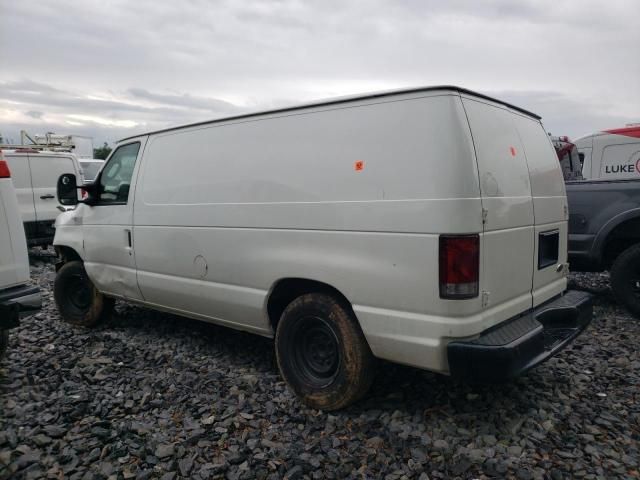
(79, 292)
(316, 351)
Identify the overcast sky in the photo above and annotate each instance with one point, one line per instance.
(112, 69)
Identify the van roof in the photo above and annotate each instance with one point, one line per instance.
(338, 100)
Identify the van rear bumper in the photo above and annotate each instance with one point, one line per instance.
(16, 302)
(513, 347)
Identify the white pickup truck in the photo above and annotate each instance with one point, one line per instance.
(17, 297)
(425, 226)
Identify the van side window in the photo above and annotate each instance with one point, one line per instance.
(115, 179)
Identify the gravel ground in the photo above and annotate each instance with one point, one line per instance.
(152, 395)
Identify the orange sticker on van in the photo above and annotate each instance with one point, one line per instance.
(358, 166)
(513, 151)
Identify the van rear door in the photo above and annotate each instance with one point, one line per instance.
(507, 243)
(549, 207)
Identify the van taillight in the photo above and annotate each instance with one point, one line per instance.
(459, 266)
(4, 170)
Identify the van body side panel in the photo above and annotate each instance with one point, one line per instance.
(409, 150)
(7, 258)
(354, 196)
(14, 263)
(508, 240)
(243, 264)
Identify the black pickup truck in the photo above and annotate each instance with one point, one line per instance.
(604, 234)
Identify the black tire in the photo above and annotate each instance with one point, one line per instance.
(78, 300)
(322, 353)
(4, 341)
(625, 279)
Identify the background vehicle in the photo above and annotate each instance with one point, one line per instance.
(426, 227)
(90, 168)
(604, 234)
(81, 146)
(611, 154)
(35, 172)
(568, 157)
(16, 296)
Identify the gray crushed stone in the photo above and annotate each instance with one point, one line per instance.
(152, 395)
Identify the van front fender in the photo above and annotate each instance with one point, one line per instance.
(69, 234)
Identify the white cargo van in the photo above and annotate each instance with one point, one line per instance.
(35, 174)
(611, 154)
(426, 226)
(16, 296)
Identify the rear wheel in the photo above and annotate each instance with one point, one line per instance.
(322, 353)
(625, 279)
(78, 300)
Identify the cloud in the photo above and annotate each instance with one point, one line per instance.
(34, 114)
(108, 115)
(150, 64)
(185, 100)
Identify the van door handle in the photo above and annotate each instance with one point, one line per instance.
(128, 232)
(46, 197)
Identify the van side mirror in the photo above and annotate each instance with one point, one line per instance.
(67, 189)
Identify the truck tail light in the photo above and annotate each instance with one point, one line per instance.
(459, 266)
(4, 170)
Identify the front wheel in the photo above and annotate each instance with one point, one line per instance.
(322, 353)
(625, 279)
(78, 300)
